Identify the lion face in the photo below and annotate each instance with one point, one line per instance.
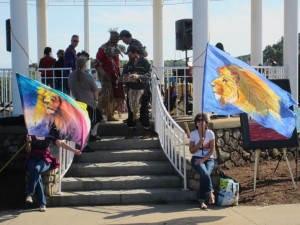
(51, 101)
(225, 87)
(245, 90)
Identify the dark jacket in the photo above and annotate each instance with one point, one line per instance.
(59, 64)
(143, 69)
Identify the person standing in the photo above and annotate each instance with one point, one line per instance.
(59, 64)
(70, 60)
(38, 160)
(127, 38)
(136, 76)
(45, 63)
(202, 146)
(108, 70)
(84, 89)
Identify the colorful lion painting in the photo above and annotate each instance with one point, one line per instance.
(49, 112)
(236, 86)
(52, 116)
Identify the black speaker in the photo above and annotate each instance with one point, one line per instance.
(184, 34)
(8, 36)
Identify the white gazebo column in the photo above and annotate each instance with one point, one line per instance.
(158, 60)
(200, 40)
(19, 48)
(87, 30)
(290, 43)
(42, 34)
(256, 33)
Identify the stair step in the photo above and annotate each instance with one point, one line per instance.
(119, 128)
(119, 182)
(121, 155)
(118, 142)
(120, 169)
(104, 197)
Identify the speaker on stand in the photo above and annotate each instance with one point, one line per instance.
(184, 42)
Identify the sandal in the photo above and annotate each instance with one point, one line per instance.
(203, 205)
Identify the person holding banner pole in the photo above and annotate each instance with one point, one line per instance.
(202, 146)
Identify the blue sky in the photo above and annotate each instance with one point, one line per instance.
(229, 22)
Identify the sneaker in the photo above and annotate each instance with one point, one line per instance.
(43, 208)
(94, 138)
(29, 199)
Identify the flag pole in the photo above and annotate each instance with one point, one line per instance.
(203, 91)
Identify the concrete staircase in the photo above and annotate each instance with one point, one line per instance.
(121, 172)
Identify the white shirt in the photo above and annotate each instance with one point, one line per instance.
(195, 137)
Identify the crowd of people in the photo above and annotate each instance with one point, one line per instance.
(116, 94)
(132, 86)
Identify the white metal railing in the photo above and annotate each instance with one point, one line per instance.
(178, 87)
(6, 89)
(178, 90)
(58, 82)
(53, 77)
(273, 72)
(171, 135)
(65, 161)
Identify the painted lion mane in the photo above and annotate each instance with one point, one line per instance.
(245, 90)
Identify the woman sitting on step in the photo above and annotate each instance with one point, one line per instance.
(202, 146)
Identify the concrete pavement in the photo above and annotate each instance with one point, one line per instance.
(172, 214)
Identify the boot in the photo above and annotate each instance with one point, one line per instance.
(146, 133)
(131, 132)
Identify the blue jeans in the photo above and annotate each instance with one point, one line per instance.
(35, 182)
(204, 169)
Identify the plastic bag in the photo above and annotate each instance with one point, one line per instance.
(228, 192)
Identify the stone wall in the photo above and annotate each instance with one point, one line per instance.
(11, 140)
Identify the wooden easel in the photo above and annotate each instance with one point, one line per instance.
(257, 155)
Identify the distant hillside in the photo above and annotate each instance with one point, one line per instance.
(274, 51)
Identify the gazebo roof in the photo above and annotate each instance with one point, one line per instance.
(109, 2)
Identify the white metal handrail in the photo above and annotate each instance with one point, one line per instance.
(171, 135)
(65, 161)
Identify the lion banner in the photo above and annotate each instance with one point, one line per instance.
(231, 86)
(49, 112)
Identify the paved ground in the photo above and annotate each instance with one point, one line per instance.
(172, 214)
